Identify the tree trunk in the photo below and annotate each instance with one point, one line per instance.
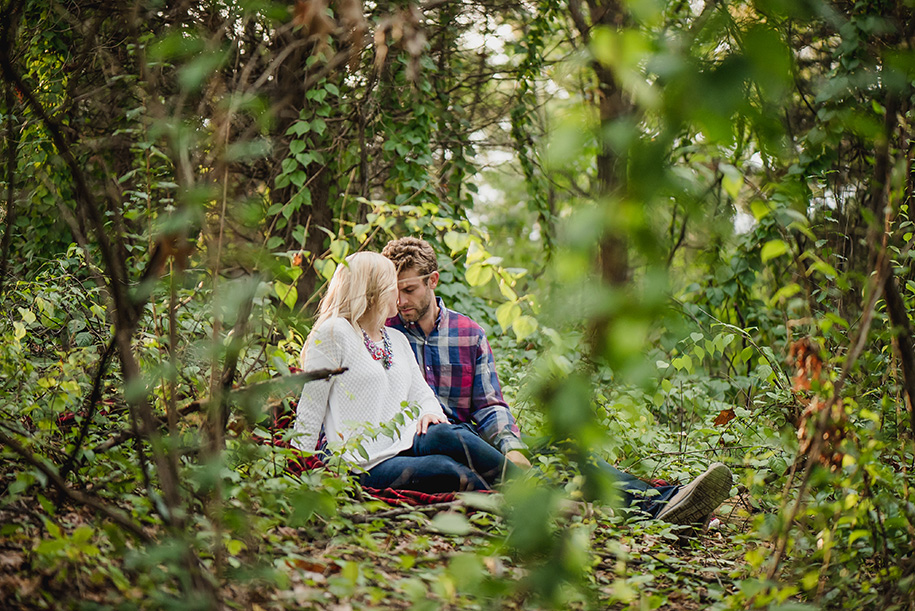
(613, 105)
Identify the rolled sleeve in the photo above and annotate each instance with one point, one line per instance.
(492, 415)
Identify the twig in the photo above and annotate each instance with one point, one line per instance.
(362, 518)
(775, 367)
(89, 406)
(877, 282)
(680, 571)
(12, 146)
(714, 450)
(294, 380)
(75, 495)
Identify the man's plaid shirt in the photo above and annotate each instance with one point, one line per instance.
(458, 364)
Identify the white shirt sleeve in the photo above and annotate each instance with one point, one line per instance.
(322, 351)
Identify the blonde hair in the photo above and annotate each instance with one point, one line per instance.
(357, 288)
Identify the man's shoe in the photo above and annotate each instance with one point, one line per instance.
(697, 500)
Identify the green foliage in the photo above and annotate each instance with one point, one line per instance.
(747, 156)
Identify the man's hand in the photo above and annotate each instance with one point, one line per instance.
(518, 458)
(427, 419)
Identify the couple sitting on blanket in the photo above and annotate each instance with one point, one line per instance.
(420, 393)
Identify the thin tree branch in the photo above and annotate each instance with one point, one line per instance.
(89, 406)
(12, 146)
(276, 385)
(76, 496)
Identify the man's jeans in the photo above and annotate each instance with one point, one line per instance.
(448, 458)
(633, 492)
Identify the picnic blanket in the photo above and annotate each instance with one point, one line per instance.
(299, 462)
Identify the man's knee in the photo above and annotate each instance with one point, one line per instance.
(448, 474)
(439, 436)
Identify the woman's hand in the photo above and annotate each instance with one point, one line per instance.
(428, 419)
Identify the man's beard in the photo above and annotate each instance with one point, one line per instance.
(418, 312)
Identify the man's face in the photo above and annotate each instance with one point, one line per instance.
(414, 294)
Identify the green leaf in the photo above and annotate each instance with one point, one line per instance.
(28, 317)
(326, 267)
(450, 523)
(305, 159)
(478, 500)
(794, 606)
(789, 290)
(773, 249)
(175, 45)
(810, 580)
(803, 228)
(760, 209)
(478, 274)
(81, 534)
(286, 293)
(731, 180)
(361, 231)
(339, 249)
(297, 178)
(507, 290)
(299, 128)
(824, 268)
(507, 314)
(524, 327)
(289, 165)
(457, 242)
(192, 76)
(50, 546)
(235, 546)
(683, 363)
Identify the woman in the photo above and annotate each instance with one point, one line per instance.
(382, 388)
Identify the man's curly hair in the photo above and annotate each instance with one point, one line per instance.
(411, 253)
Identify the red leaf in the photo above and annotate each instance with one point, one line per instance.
(724, 417)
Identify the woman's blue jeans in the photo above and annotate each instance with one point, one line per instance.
(447, 458)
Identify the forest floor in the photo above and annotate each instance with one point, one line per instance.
(374, 556)
(630, 565)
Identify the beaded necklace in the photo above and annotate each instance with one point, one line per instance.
(383, 353)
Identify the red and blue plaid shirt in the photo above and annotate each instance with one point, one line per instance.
(458, 364)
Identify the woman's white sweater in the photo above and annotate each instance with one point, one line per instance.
(367, 395)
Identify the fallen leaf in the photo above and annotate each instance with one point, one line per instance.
(724, 417)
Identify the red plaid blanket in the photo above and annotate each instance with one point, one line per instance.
(299, 463)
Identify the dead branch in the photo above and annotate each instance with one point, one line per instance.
(277, 385)
(76, 496)
(12, 146)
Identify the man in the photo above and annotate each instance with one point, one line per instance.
(452, 351)
(458, 364)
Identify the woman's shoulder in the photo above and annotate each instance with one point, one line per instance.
(337, 329)
(398, 340)
(395, 335)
